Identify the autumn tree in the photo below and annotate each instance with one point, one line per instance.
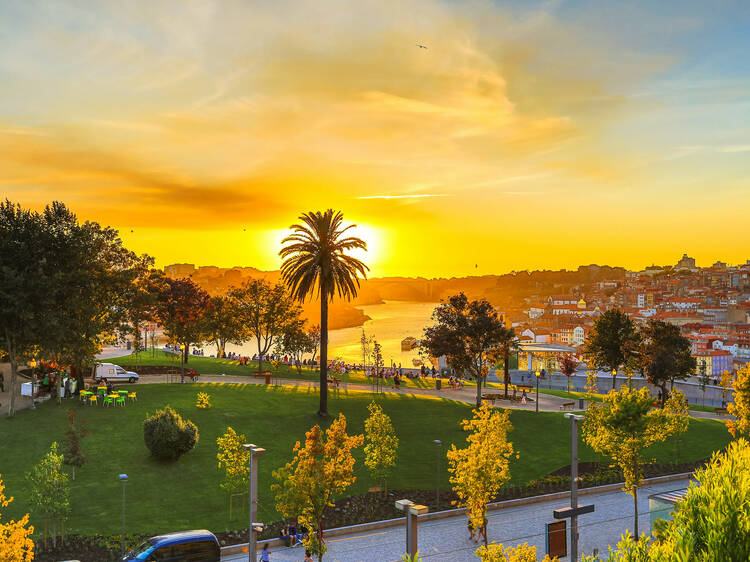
(625, 424)
(221, 323)
(711, 522)
(235, 462)
(73, 455)
(180, 309)
(321, 469)
(265, 312)
(381, 444)
(725, 382)
(50, 492)
(15, 536)
(480, 469)
(740, 407)
(294, 341)
(568, 364)
(468, 333)
(611, 342)
(664, 355)
(314, 334)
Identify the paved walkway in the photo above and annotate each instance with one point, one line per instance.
(446, 540)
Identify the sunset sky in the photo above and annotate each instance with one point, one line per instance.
(526, 135)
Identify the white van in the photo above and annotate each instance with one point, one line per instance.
(108, 372)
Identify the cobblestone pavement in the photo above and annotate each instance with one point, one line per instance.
(447, 539)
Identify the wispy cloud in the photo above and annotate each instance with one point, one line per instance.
(411, 196)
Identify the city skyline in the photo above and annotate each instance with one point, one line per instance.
(524, 136)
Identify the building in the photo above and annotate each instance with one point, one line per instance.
(179, 270)
(714, 361)
(686, 263)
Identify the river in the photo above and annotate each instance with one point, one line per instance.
(390, 323)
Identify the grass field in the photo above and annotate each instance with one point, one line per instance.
(186, 494)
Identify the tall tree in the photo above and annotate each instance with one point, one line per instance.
(265, 313)
(222, 323)
(24, 286)
(314, 335)
(611, 341)
(381, 444)
(181, 306)
(469, 333)
(665, 355)
(321, 469)
(568, 364)
(625, 424)
(480, 469)
(295, 341)
(316, 264)
(50, 490)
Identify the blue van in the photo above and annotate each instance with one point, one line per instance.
(186, 546)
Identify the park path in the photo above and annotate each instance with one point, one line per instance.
(446, 540)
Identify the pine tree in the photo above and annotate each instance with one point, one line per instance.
(73, 455)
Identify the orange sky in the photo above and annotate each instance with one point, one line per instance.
(525, 136)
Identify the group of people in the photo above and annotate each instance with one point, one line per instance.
(291, 535)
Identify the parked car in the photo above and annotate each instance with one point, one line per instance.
(185, 546)
(108, 372)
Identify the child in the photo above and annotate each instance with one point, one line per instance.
(265, 554)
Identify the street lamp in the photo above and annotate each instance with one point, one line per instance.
(412, 512)
(614, 377)
(253, 528)
(123, 479)
(536, 403)
(437, 472)
(33, 364)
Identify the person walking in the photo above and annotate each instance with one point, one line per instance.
(308, 556)
(265, 554)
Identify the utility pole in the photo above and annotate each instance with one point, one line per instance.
(123, 479)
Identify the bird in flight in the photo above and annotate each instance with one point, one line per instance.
(421, 46)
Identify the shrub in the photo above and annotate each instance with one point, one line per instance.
(203, 400)
(168, 436)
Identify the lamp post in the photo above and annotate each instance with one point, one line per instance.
(412, 511)
(437, 472)
(32, 364)
(123, 479)
(614, 378)
(253, 527)
(536, 402)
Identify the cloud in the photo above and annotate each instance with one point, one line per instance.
(410, 196)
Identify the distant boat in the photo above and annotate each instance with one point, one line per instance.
(407, 344)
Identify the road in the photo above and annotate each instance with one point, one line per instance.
(447, 539)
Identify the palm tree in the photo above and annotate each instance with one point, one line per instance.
(315, 265)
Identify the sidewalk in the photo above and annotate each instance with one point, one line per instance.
(446, 540)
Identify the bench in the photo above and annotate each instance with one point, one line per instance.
(192, 375)
(333, 381)
(720, 410)
(567, 405)
(491, 397)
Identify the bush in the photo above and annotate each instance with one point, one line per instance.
(168, 436)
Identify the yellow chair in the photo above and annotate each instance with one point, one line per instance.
(132, 396)
(93, 399)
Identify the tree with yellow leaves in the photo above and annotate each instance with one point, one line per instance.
(15, 544)
(740, 408)
(498, 553)
(626, 423)
(382, 444)
(50, 490)
(321, 469)
(480, 469)
(234, 460)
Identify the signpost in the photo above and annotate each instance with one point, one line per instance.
(412, 512)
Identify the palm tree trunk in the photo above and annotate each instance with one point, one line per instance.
(323, 410)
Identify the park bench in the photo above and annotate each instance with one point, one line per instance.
(720, 410)
(333, 381)
(491, 397)
(192, 375)
(567, 405)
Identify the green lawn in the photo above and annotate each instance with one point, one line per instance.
(168, 497)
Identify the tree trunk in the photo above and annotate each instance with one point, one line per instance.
(186, 351)
(506, 369)
(635, 517)
(479, 383)
(663, 394)
(182, 364)
(614, 382)
(323, 410)
(12, 385)
(260, 358)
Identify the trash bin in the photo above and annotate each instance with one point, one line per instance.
(268, 378)
(438, 382)
(580, 404)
